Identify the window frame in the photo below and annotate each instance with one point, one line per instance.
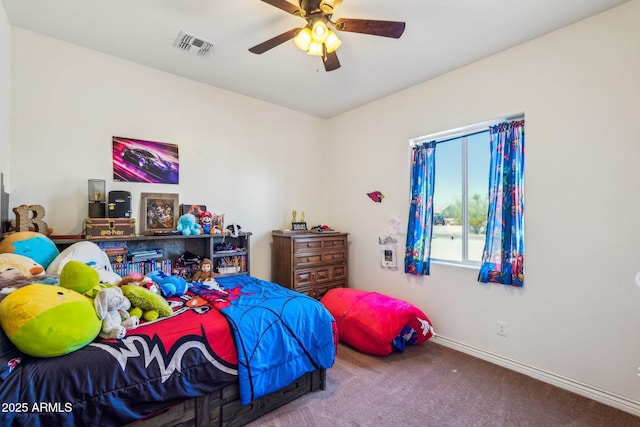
(461, 133)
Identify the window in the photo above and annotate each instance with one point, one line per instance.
(460, 198)
(460, 195)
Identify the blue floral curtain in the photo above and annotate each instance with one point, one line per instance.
(423, 169)
(503, 256)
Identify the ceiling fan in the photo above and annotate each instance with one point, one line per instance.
(317, 37)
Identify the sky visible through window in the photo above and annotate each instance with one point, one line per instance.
(448, 185)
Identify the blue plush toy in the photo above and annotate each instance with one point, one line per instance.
(170, 286)
(188, 225)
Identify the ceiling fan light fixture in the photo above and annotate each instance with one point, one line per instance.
(319, 31)
(303, 39)
(315, 49)
(332, 42)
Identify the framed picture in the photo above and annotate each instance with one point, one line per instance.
(298, 226)
(137, 160)
(158, 212)
(196, 210)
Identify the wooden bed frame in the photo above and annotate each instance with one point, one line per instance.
(223, 408)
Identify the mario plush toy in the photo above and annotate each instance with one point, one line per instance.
(206, 222)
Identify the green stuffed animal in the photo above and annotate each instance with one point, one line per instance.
(80, 277)
(48, 321)
(146, 304)
(109, 302)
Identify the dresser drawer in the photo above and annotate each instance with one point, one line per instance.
(307, 260)
(310, 277)
(317, 276)
(319, 244)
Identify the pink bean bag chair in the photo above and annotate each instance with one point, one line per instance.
(374, 323)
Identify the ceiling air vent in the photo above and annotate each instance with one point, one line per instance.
(200, 46)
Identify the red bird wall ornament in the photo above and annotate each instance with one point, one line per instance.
(376, 196)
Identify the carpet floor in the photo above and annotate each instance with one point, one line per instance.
(432, 385)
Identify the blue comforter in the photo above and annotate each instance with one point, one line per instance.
(280, 334)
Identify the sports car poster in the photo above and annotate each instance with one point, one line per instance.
(136, 160)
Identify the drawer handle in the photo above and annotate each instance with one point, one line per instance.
(308, 259)
(308, 244)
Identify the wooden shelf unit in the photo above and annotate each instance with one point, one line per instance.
(173, 246)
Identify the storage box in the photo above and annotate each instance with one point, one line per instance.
(110, 228)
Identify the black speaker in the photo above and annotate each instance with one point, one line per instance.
(96, 210)
(119, 204)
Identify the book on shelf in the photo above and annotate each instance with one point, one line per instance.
(146, 255)
(142, 267)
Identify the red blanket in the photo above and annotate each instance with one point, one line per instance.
(374, 323)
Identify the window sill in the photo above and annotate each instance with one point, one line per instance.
(456, 264)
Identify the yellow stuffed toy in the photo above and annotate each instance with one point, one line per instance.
(48, 321)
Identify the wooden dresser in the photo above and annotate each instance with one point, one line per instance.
(309, 263)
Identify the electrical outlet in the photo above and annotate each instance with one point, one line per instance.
(639, 371)
(501, 328)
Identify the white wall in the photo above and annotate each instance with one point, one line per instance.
(577, 316)
(5, 61)
(236, 153)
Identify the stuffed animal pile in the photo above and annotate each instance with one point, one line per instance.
(54, 303)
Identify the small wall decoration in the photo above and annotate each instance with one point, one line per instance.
(388, 258)
(376, 196)
(158, 212)
(136, 160)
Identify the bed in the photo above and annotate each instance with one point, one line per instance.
(223, 358)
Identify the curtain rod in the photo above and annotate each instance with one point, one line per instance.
(463, 131)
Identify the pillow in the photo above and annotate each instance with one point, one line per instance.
(34, 245)
(90, 254)
(48, 321)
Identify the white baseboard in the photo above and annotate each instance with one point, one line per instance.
(602, 396)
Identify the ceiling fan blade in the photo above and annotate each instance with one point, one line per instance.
(331, 61)
(286, 6)
(276, 41)
(391, 29)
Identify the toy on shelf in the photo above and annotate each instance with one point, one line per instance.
(218, 223)
(205, 271)
(188, 225)
(206, 221)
